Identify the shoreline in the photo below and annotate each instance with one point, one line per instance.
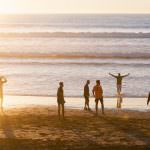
(54, 96)
(73, 102)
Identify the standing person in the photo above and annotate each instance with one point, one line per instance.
(86, 95)
(60, 99)
(148, 100)
(2, 81)
(98, 94)
(119, 81)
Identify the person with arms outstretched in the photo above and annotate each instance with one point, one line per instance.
(60, 99)
(86, 95)
(119, 81)
(2, 81)
(98, 94)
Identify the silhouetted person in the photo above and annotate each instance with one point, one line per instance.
(119, 81)
(2, 81)
(98, 94)
(60, 99)
(86, 95)
(148, 100)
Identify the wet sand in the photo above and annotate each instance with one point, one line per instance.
(39, 128)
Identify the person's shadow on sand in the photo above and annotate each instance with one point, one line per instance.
(5, 125)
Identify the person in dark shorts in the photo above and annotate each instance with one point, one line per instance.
(148, 100)
(60, 99)
(98, 94)
(119, 81)
(86, 95)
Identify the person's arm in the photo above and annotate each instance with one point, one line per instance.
(58, 92)
(93, 91)
(113, 75)
(125, 75)
(102, 90)
(88, 91)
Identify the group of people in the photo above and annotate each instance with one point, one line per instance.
(97, 93)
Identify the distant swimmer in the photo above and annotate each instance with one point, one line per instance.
(148, 100)
(98, 94)
(119, 81)
(86, 95)
(60, 99)
(2, 81)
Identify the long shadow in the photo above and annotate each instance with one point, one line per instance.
(129, 127)
(25, 144)
(6, 126)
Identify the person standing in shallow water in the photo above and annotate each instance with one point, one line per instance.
(98, 94)
(2, 81)
(60, 100)
(119, 81)
(86, 95)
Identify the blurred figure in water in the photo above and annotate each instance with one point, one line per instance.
(2, 81)
(119, 81)
(148, 100)
(98, 94)
(86, 95)
(60, 99)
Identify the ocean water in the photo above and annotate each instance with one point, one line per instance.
(38, 51)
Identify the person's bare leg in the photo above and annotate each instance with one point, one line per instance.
(118, 92)
(96, 107)
(1, 103)
(88, 105)
(85, 105)
(63, 112)
(59, 111)
(120, 88)
(102, 106)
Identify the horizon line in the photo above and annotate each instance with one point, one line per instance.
(75, 13)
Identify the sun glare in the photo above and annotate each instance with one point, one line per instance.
(74, 6)
(7, 6)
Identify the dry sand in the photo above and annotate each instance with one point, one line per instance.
(39, 128)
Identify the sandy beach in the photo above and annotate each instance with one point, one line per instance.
(39, 128)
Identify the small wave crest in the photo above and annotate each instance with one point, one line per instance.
(79, 56)
(76, 34)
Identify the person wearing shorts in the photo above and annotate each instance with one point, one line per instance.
(60, 100)
(98, 94)
(86, 95)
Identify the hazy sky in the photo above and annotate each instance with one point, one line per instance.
(74, 6)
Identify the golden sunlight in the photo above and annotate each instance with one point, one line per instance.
(74, 6)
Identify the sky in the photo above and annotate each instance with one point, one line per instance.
(74, 6)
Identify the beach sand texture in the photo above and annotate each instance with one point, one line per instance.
(39, 128)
